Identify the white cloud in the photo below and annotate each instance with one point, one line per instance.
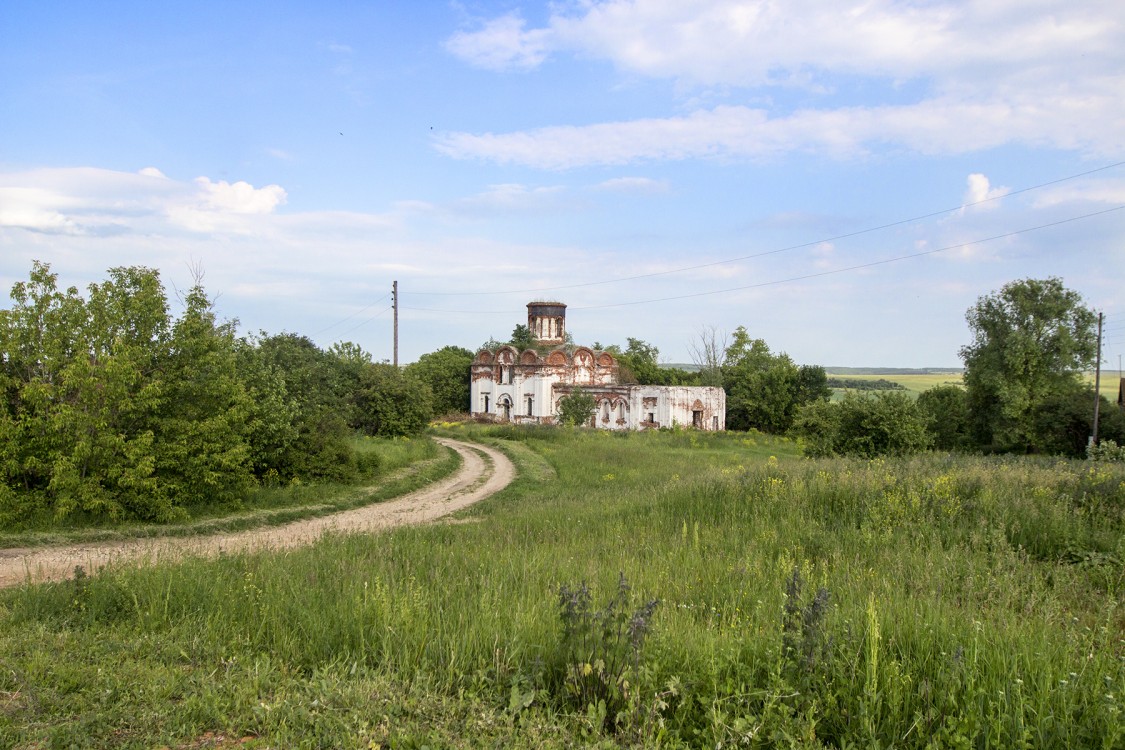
(240, 197)
(942, 77)
(511, 197)
(737, 42)
(634, 185)
(934, 127)
(980, 194)
(1106, 191)
(500, 44)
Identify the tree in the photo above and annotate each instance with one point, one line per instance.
(764, 390)
(319, 388)
(886, 423)
(576, 408)
(446, 372)
(638, 363)
(945, 410)
(202, 433)
(812, 385)
(392, 403)
(522, 338)
(350, 353)
(708, 351)
(1031, 341)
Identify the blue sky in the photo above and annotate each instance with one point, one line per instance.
(664, 168)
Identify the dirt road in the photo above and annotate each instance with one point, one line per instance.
(483, 472)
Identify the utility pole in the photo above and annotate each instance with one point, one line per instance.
(394, 297)
(1098, 381)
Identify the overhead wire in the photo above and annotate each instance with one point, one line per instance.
(373, 317)
(802, 277)
(357, 312)
(776, 251)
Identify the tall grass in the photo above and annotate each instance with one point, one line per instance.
(935, 601)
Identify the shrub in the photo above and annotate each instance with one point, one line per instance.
(601, 649)
(884, 424)
(576, 407)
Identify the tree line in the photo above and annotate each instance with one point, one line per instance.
(1024, 390)
(112, 407)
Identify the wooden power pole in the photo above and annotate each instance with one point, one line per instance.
(1098, 381)
(394, 297)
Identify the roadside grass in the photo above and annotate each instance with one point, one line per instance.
(395, 466)
(936, 601)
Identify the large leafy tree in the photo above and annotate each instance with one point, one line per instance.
(446, 372)
(392, 403)
(320, 387)
(764, 390)
(1031, 341)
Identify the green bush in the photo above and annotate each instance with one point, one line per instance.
(886, 423)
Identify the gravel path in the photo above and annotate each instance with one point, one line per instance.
(483, 472)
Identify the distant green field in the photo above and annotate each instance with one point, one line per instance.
(914, 383)
(1109, 384)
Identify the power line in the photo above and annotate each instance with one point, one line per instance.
(357, 312)
(361, 325)
(803, 245)
(805, 277)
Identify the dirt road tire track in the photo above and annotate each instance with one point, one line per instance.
(484, 471)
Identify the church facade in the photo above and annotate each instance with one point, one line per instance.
(509, 385)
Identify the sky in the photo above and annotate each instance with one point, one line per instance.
(844, 179)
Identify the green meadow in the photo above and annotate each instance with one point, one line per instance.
(913, 383)
(665, 589)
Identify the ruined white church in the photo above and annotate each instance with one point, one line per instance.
(509, 385)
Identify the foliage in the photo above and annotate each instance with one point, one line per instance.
(350, 353)
(886, 423)
(446, 372)
(390, 402)
(818, 427)
(114, 409)
(1063, 423)
(1106, 450)
(945, 410)
(576, 408)
(1031, 340)
(601, 650)
(522, 337)
(764, 390)
(639, 363)
(318, 390)
(856, 384)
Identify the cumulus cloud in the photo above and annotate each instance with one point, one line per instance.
(240, 197)
(980, 193)
(501, 44)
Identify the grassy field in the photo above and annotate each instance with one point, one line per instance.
(913, 383)
(673, 589)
